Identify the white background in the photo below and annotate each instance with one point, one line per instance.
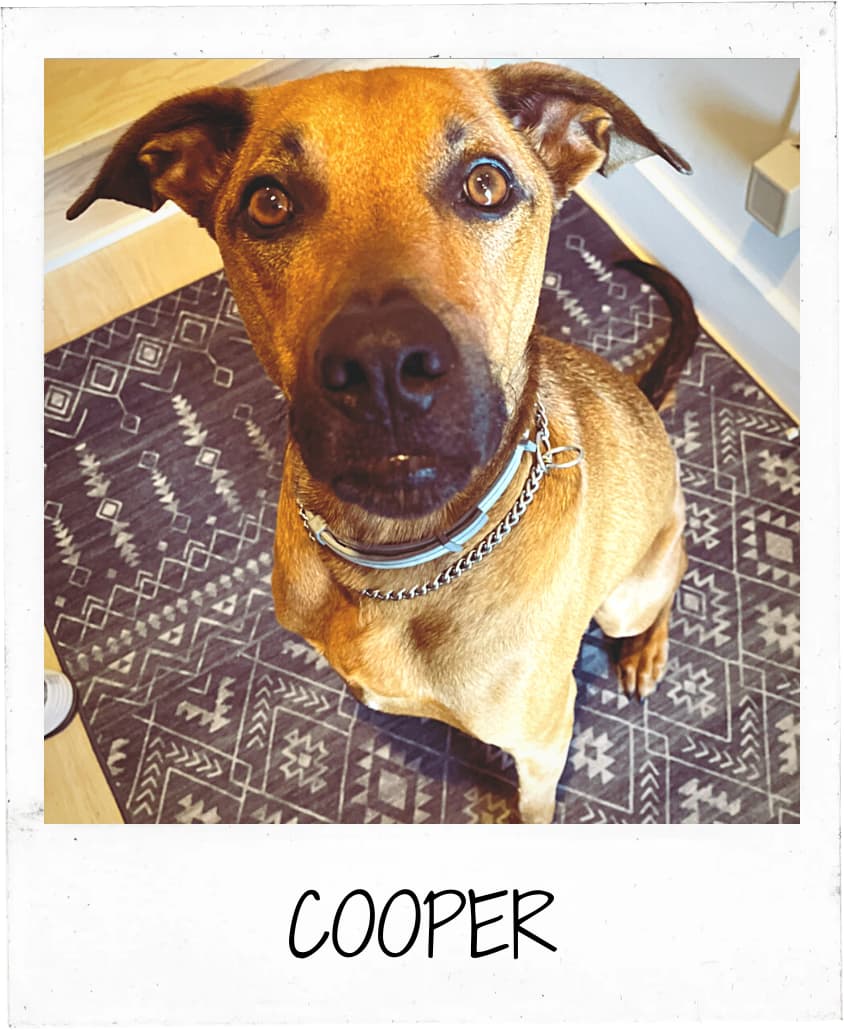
(173, 925)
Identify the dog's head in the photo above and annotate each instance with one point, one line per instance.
(384, 234)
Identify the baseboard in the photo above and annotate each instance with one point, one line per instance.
(753, 322)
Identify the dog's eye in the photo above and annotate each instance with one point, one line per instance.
(269, 207)
(487, 185)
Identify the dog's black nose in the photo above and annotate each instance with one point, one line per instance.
(379, 360)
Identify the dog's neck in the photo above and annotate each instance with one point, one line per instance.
(350, 522)
(452, 541)
(503, 501)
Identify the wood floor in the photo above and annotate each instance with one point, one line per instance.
(75, 789)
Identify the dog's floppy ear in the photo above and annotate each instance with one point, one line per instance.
(180, 151)
(575, 124)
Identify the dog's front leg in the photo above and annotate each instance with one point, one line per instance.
(540, 762)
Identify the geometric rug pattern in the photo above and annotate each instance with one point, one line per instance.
(164, 445)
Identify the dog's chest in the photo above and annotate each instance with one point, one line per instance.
(426, 660)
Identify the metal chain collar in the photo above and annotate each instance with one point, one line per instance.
(543, 463)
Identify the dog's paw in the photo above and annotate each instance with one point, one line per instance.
(642, 660)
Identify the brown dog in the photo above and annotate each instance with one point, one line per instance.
(384, 234)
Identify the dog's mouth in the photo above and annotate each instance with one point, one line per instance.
(402, 485)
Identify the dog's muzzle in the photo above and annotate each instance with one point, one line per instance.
(385, 363)
(395, 414)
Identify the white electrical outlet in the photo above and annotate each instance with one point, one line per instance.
(773, 192)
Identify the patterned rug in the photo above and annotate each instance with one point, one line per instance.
(164, 447)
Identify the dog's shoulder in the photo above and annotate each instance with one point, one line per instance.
(572, 375)
(592, 404)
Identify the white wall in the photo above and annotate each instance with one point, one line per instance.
(721, 115)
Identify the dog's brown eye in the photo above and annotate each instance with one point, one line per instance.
(486, 185)
(269, 207)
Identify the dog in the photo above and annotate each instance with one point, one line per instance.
(461, 495)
